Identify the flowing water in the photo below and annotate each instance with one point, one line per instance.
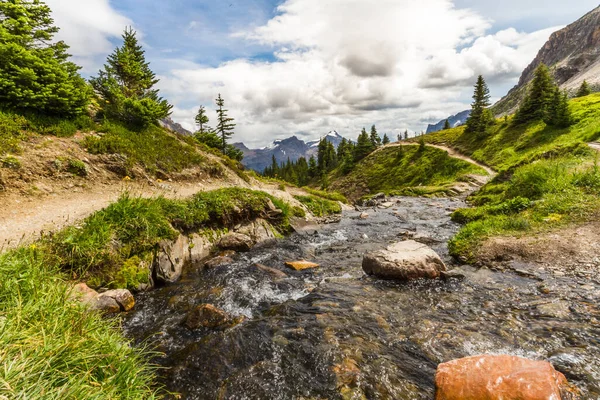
(333, 333)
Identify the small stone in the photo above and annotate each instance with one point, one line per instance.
(207, 316)
(271, 271)
(84, 294)
(236, 242)
(123, 297)
(301, 265)
(454, 274)
(364, 215)
(559, 309)
(218, 262)
(106, 305)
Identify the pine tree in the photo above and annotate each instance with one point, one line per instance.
(559, 113)
(584, 90)
(539, 97)
(406, 134)
(479, 119)
(386, 139)
(225, 124)
(447, 125)
(125, 86)
(313, 169)
(374, 137)
(202, 120)
(35, 74)
(364, 146)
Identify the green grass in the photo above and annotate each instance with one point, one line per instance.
(333, 196)
(548, 177)
(154, 148)
(506, 146)
(108, 245)
(318, 206)
(403, 168)
(51, 348)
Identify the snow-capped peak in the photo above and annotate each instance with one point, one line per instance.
(334, 134)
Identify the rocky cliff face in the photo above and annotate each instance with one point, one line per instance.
(573, 55)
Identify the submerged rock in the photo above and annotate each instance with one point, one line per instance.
(301, 265)
(218, 262)
(275, 273)
(364, 215)
(207, 316)
(404, 261)
(236, 242)
(503, 377)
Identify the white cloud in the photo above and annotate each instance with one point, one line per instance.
(347, 64)
(87, 26)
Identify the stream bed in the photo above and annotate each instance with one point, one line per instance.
(334, 333)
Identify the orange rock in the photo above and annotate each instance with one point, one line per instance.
(503, 377)
(301, 265)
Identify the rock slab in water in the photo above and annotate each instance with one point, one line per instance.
(404, 261)
(218, 262)
(236, 242)
(207, 316)
(503, 377)
(301, 265)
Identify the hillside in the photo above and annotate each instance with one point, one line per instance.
(454, 120)
(549, 177)
(407, 170)
(573, 55)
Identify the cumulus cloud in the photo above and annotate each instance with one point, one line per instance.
(88, 26)
(345, 64)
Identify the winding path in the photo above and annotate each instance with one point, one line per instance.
(451, 152)
(595, 145)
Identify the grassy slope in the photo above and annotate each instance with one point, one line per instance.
(548, 177)
(403, 170)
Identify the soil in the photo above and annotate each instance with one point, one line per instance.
(573, 251)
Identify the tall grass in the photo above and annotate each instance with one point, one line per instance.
(52, 348)
(318, 206)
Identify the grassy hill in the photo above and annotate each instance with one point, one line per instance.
(548, 177)
(403, 170)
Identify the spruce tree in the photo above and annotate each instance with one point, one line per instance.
(126, 86)
(479, 119)
(386, 139)
(447, 125)
(559, 113)
(539, 97)
(364, 146)
(584, 90)
(406, 134)
(202, 120)
(313, 169)
(35, 74)
(374, 137)
(225, 124)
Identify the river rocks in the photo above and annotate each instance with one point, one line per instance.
(259, 230)
(275, 273)
(236, 242)
(218, 262)
(558, 309)
(363, 215)
(170, 259)
(112, 301)
(301, 265)
(404, 261)
(207, 316)
(490, 377)
(123, 297)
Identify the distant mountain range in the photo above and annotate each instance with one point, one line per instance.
(572, 54)
(173, 126)
(292, 148)
(455, 120)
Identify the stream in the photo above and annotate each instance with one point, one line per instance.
(334, 333)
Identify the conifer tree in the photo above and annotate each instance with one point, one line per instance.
(202, 120)
(364, 146)
(584, 90)
(386, 139)
(539, 97)
(126, 86)
(559, 113)
(447, 125)
(313, 169)
(35, 74)
(225, 124)
(479, 119)
(374, 137)
(406, 134)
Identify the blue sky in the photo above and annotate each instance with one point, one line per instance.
(311, 66)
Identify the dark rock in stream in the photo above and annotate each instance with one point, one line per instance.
(236, 242)
(207, 316)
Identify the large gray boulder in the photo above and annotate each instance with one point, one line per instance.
(170, 259)
(404, 261)
(236, 242)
